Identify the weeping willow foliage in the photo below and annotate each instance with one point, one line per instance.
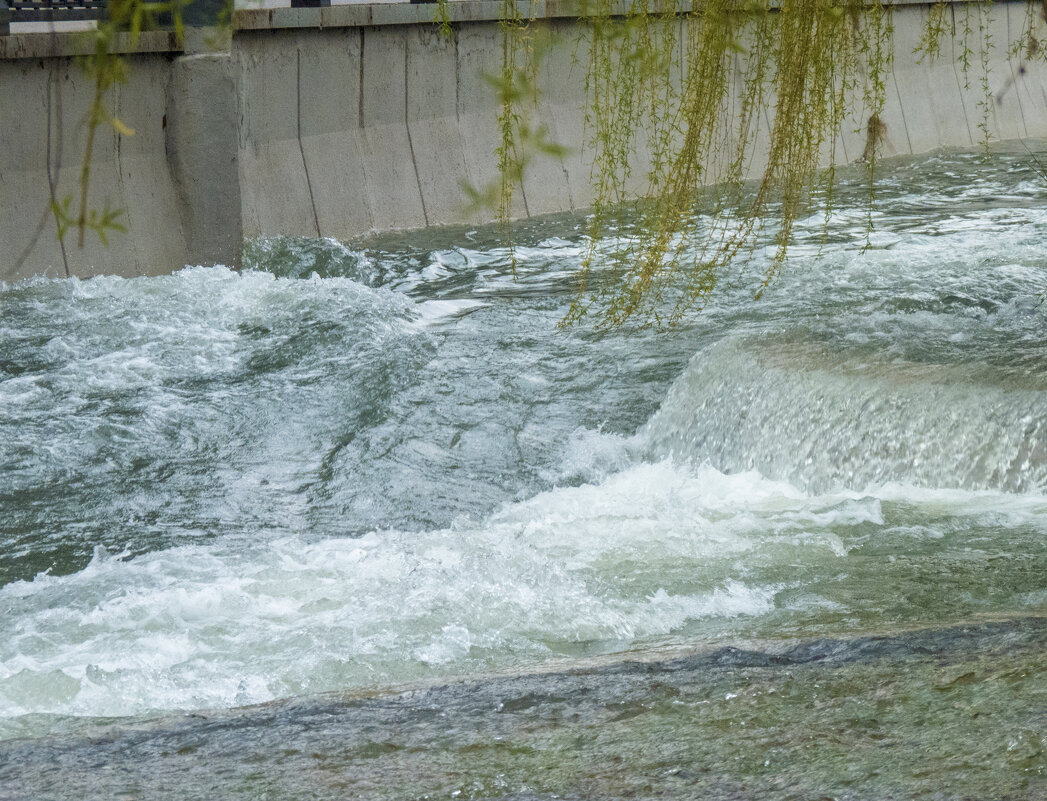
(105, 67)
(707, 92)
(703, 93)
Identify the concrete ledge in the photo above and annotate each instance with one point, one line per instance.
(458, 11)
(357, 15)
(67, 44)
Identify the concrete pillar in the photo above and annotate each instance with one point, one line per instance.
(201, 142)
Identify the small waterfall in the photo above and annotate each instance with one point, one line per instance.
(822, 420)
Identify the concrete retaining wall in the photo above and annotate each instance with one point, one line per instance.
(44, 103)
(346, 120)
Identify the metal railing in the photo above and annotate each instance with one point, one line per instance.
(48, 11)
(194, 13)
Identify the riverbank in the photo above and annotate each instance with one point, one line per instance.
(352, 120)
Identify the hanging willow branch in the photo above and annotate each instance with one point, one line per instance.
(107, 68)
(803, 61)
(702, 92)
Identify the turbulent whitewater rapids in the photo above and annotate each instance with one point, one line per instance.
(796, 548)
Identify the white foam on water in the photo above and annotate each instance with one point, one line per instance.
(439, 313)
(639, 555)
(134, 368)
(590, 455)
(134, 333)
(653, 549)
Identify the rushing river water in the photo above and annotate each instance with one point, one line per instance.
(360, 521)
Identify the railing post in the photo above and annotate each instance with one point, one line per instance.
(5, 18)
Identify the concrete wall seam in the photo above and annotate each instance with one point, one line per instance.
(301, 147)
(410, 142)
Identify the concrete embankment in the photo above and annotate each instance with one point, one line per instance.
(346, 120)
